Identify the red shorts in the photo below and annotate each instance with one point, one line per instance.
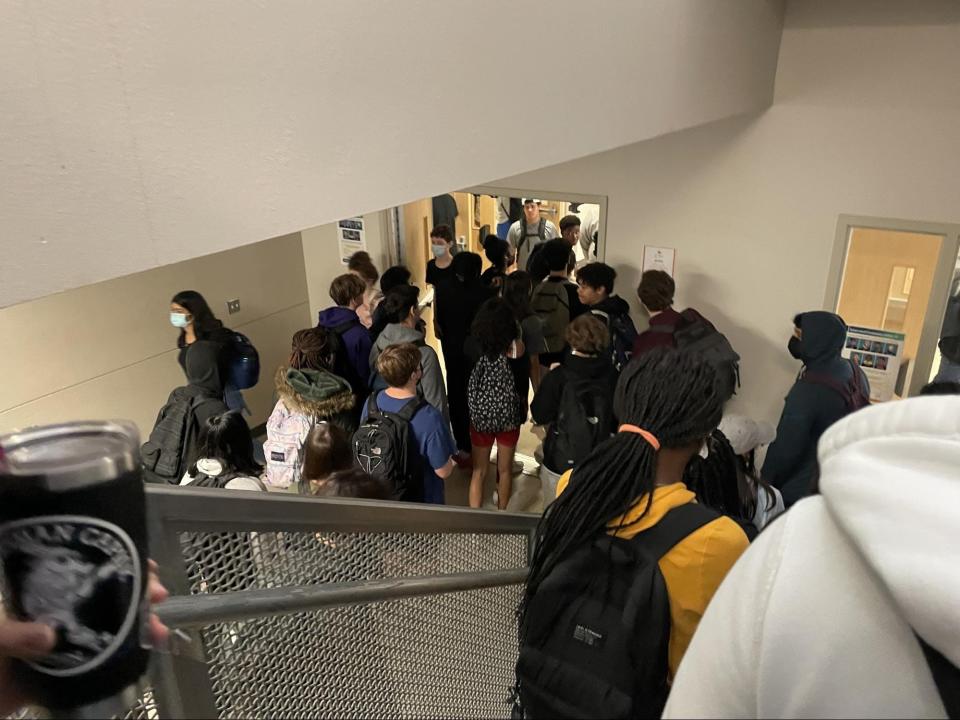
(507, 438)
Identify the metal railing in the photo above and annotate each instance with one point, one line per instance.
(301, 607)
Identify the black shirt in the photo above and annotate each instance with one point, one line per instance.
(438, 276)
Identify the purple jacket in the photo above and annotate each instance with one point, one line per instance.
(356, 339)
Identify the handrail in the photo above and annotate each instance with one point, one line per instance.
(207, 609)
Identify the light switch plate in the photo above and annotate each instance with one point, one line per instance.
(233, 306)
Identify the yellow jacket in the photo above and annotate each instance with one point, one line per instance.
(693, 569)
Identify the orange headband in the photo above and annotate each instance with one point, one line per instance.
(645, 434)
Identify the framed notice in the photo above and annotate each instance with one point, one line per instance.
(350, 233)
(659, 258)
(879, 353)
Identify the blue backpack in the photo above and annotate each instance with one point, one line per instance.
(243, 364)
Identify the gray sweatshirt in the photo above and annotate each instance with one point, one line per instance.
(431, 385)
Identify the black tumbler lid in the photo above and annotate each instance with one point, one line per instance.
(71, 455)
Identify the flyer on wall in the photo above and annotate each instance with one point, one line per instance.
(351, 236)
(879, 353)
(659, 258)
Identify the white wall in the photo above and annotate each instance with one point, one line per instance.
(135, 134)
(866, 121)
(108, 350)
(322, 260)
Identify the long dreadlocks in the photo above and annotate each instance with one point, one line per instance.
(671, 394)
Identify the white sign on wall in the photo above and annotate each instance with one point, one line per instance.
(351, 236)
(879, 353)
(659, 258)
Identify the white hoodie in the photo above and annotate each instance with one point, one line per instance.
(817, 617)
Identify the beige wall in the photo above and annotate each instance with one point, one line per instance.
(864, 122)
(108, 350)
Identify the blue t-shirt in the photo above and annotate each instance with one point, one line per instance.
(433, 438)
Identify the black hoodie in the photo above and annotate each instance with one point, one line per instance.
(810, 408)
(546, 403)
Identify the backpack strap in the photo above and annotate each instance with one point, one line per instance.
(946, 676)
(542, 230)
(523, 234)
(372, 407)
(845, 390)
(673, 527)
(407, 412)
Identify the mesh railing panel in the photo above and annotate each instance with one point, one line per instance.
(448, 655)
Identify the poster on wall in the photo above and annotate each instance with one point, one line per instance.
(351, 235)
(879, 353)
(659, 258)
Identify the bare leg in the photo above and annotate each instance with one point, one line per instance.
(504, 474)
(481, 461)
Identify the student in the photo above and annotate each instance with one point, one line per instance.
(829, 387)
(362, 266)
(224, 456)
(595, 290)
(847, 605)
(309, 393)
(401, 366)
(630, 487)
(570, 233)
(459, 300)
(392, 277)
(328, 468)
(575, 402)
(496, 410)
(352, 359)
(203, 336)
(500, 255)
(556, 302)
(440, 266)
(517, 288)
(760, 501)
(656, 292)
(529, 231)
(403, 316)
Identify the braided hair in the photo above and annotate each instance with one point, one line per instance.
(673, 395)
(313, 349)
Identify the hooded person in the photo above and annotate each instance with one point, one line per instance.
(847, 605)
(816, 401)
(403, 326)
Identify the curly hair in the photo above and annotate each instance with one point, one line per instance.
(495, 327)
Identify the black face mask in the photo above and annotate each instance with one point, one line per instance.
(795, 346)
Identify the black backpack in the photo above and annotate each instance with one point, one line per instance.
(585, 419)
(492, 398)
(853, 392)
(596, 634)
(384, 446)
(342, 365)
(946, 676)
(243, 362)
(623, 335)
(163, 455)
(695, 334)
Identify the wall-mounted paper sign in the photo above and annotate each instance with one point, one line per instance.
(351, 235)
(659, 258)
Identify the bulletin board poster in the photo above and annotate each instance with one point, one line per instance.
(659, 258)
(879, 353)
(351, 236)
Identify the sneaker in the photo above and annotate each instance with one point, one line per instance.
(496, 499)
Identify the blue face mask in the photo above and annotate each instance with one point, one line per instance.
(439, 250)
(178, 320)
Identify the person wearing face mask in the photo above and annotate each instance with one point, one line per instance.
(439, 268)
(828, 388)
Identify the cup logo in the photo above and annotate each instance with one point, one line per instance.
(79, 575)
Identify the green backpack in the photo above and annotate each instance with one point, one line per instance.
(551, 304)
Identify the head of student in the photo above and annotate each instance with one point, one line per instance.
(226, 438)
(326, 449)
(313, 349)
(588, 335)
(354, 483)
(498, 251)
(400, 305)
(570, 229)
(656, 291)
(531, 210)
(189, 309)
(495, 327)
(362, 266)
(668, 403)
(347, 291)
(393, 277)
(556, 254)
(441, 240)
(400, 365)
(595, 283)
(467, 266)
(517, 288)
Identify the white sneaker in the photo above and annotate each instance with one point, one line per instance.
(496, 499)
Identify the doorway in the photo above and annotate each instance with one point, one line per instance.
(891, 288)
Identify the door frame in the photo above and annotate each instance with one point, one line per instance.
(939, 291)
(600, 200)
